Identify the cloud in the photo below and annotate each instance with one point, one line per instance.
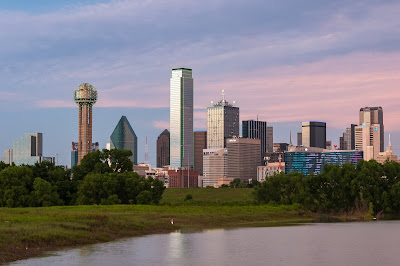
(161, 124)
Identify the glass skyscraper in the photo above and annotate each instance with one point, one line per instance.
(124, 138)
(181, 118)
(312, 160)
(222, 123)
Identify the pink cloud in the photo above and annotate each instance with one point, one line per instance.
(330, 90)
(161, 124)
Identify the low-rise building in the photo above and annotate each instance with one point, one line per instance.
(311, 160)
(270, 169)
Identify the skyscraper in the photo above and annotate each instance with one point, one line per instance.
(181, 118)
(222, 123)
(299, 138)
(29, 150)
(367, 139)
(243, 158)
(8, 156)
(313, 134)
(258, 130)
(163, 149)
(215, 165)
(85, 96)
(374, 115)
(200, 143)
(124, 138)
(347, 141)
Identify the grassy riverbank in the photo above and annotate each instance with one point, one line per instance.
(27, 232)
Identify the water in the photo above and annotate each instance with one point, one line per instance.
(367, 243)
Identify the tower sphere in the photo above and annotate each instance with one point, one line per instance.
(85, 94)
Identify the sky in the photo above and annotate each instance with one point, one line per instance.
(285, 61)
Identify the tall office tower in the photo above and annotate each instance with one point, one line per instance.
(29, 150)
(200, 143)
(85, 96)
(8, 156)
(270, 139)
(124, 138)
(215, 165)
(374, 115)
(367, 139)
(299, 138)
(163, 149)
(313, 134)
(347, 140)
(222, 123)
(181, 118)
(243, 158)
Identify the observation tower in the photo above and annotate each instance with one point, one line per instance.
(85, 96)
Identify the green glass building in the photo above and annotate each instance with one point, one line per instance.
(124, 138)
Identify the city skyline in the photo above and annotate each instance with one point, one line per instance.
(289, 71)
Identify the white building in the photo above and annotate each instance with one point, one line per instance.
(269, 170)
(181, 118)
(215, 165)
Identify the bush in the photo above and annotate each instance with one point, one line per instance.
(188, 197)
(144, 197)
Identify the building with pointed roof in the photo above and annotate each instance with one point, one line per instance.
(388, 155)
(163, 149)
(124, 138)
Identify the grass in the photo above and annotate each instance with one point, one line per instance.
(208, 196)
(27, 232)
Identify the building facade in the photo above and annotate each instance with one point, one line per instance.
(270, 169)
(200, 143)
(180, 178)
(85, 96)
(258, 130)
(215, 165)
(347, 141)
(163, 149)
(299, 139)
(8, 156)
(388, 155)
(29, 150)
(313, 134)
(367, 139)
(222, 123)
(243, 158)
(308, 160)
(181, 118)
(374, 115)
(124, 138)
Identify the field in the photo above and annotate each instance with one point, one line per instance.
(27, 232)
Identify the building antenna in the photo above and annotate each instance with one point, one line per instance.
(223, 95)
(146, 152)
(290, 138)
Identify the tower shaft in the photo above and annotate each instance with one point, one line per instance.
(85, 131)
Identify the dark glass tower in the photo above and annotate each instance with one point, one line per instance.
(163, 149)
(124, 138)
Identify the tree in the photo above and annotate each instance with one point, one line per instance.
(44, 194)
(144, 197)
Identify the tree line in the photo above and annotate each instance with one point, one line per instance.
(369, 186)
(103, 177)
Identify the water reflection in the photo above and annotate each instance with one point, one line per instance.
(368, 243)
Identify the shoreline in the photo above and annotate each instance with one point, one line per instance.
(31, 232)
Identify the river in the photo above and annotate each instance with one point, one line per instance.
(358, 243)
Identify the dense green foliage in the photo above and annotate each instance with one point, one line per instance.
(370, 185)
(102, 178)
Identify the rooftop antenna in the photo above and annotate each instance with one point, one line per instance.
(146, 152)
(290, 138)
(223, 95)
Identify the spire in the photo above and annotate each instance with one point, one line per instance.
(223, 95)
(290, 138)
(389, 147)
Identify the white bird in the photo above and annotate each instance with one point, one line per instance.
(172, 221)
